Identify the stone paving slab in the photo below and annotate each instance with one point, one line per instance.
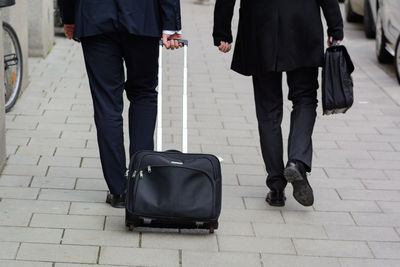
(52, 192)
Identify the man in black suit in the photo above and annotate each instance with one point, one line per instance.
(114, 32)
(276, 36)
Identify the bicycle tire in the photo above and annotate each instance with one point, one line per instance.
(19, 72)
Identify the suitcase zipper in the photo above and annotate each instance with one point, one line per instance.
(158, 153)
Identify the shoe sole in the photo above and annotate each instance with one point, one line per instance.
(275, 204)
(119, 206)
(302, 191)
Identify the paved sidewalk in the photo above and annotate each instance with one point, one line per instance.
(52, 210)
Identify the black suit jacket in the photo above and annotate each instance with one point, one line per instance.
(139, 17)
(277, 35)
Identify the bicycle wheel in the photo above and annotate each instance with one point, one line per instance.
(13, 63)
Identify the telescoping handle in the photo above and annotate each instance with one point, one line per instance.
(185, 99)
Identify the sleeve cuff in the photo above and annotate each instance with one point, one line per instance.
(172, 32)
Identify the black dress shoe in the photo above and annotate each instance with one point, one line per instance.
(276, 198)
(295, 173)
(116, 201)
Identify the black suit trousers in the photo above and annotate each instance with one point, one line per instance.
(105, 55)
(303, 85)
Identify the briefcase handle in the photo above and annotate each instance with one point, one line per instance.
(184, 101)
(335, 43)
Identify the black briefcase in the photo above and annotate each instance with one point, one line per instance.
(172, 189)
(337, 83)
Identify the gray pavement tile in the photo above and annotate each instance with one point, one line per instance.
(298, 261)
(15, 181)
(370, 146)
(91, 184)
(235, 228)
(8, 250)
(377, 219)
(382, 185)
(358, 194)
(25, 170)
(252, 180)
(72, 195)
(23, 159)
(35, 133)
(30, 235)
(84, 265)
(244, 191)
(346, 205)
(255, 244)
(115, 223)
(318, 218)
(67, 221)
(361, 173)
(102, 209)
(341, 154)
(33, 206)
(340, 232)
(19, 192)
(204, 242)
(232, 202)
(259, 203)
(77, 152)
(236, 215)
(289, 231)
(393, 174)
(15, 140)
(63, 126)
(139, 256)
(59, 161)
(205, 259)
(336, 183)
(330, 248)
(35, 150)
(53, 182)
(75, 172)
(385, 250)
(101, 238)
(18, 263)
(57, 253)
(91, 162)
(389, 206)
(345, 262)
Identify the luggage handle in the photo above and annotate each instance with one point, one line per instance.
(184, 101)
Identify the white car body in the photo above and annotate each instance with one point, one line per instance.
(390, 13)
(358, 6)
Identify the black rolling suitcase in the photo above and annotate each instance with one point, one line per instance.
(173, 189)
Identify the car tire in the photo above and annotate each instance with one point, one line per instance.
(380, 42)
(351, 16)
(369, 22)
(397, 59)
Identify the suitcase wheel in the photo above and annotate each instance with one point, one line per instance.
(211, 230)
(131, 227)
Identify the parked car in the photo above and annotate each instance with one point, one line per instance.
(359, 10)
(388, 33)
